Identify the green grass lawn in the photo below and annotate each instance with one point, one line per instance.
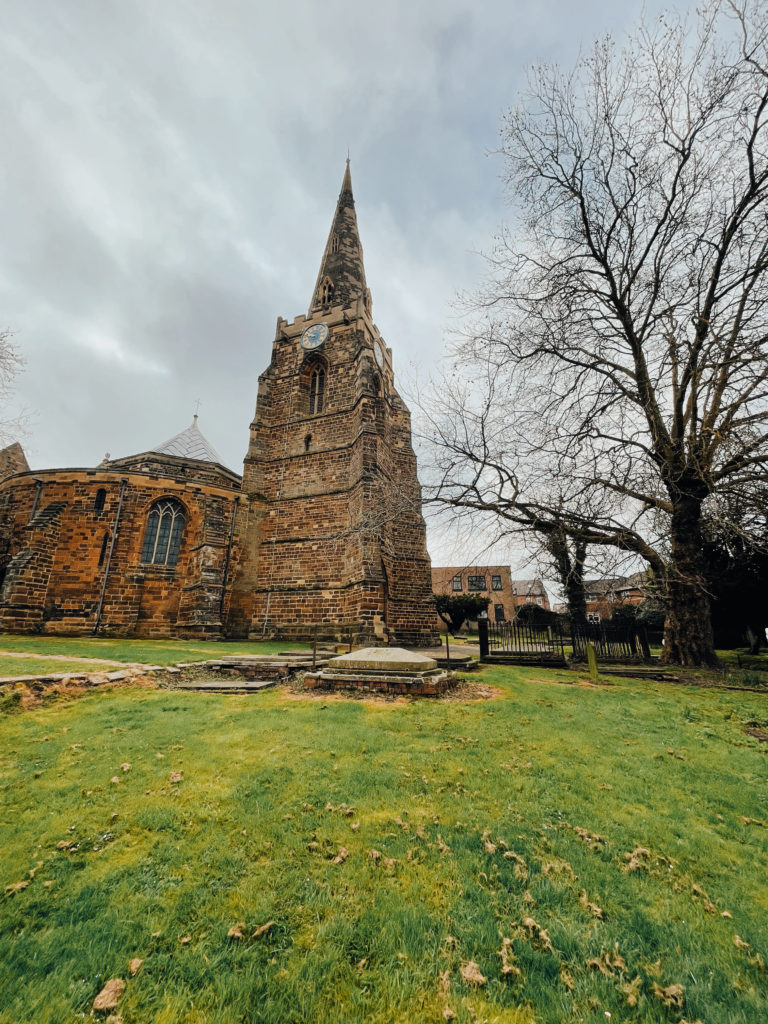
(472, 810)
(148, 652)
(47, 666)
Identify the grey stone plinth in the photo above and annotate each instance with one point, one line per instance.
(382, 659)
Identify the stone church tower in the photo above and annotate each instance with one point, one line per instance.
(329, 527)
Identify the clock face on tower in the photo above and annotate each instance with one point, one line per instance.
(314, 336)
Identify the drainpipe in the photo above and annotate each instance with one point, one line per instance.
(36, 499)
(226, 560)
(100, 606)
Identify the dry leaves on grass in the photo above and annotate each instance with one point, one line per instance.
(262, 930)
(471, 973)
(134, 965)
(558, 866)
(538, 936)
(109, 996)
(609, 961)
(744, 947)
(752, 821)
(490, 847)
(507, 959)
(126, 766)
(442, 847)
(520, 868)
(592, 839)
(638, 860)
(176, 776)
(374, 855)
(341, 856)
(631, 990)
(236, 931)
(593, 908)
(672, 996)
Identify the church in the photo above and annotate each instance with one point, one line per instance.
(322, 534)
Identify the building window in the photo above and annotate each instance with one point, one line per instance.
(103, 552)
(538, 600)
(335, 244)
(593, 617)
(496, 582)
(307, 442)
(457, 583)
(316, 391)
(101, 497)
(162, 539)
(326, 292)
(476, 583)
(498, 611)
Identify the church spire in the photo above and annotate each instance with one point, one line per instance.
(342, 275)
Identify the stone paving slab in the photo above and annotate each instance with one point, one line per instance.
(227, 685)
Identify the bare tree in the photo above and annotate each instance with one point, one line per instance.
(616, 377)
(10, 364)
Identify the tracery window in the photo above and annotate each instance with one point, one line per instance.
(316, 390)
(162, 539)
(326, 292)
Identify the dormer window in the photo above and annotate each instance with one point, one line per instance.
(316, 390)
(326, 292)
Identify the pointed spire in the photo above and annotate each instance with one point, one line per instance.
(342, 275)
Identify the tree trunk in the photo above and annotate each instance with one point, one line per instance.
(570, 570)
(688, 636)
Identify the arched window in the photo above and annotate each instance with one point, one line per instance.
(316, 390)
(162, 540)
(103, 552)
(326, 292)
(101, 497)
(335, 243)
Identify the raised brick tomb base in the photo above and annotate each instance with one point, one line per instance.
(383, 670)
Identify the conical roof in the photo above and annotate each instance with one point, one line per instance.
(189, 444)
(342, 275)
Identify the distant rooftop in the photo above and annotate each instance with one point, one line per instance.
(189, 444)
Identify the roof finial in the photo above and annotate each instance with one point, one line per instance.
(198, 403)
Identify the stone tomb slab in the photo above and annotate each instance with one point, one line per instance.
(382, 670)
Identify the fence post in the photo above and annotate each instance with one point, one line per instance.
(592, 662)
(482, 636)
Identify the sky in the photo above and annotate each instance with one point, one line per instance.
(170, 169)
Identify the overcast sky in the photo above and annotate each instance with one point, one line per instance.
(170, 169)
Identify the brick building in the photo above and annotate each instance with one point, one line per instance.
(493, 581)
(323, 531)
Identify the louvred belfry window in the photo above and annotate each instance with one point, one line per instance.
(316, 391)
(162, 540)
(326, 292)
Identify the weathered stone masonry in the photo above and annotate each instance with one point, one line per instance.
(324, 533)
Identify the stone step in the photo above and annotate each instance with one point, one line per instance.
(227, 685)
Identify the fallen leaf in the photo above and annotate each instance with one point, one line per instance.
(507, 957)
(389, 862)
(486, 839)
(160, 757)
(109, 996)
(739, 943)
(115, 779)
(175, 776)
(186, 940)
(15, 887)
(355, 826)
(672, 996)
(236, 931)
(594, 841)
(725, 913)
(520, 869)
(538, 935)
(66, 844)
(471, 973)
(307, 807)
(442, 847)
(374, 855)
(341, 856)
(638, 859)
(528, 898)
(609, 961)
(126, 766)
(591, 907)
(567, 979)
(631, 990)
(448, 1013)
(134, 966)
(262, 930)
